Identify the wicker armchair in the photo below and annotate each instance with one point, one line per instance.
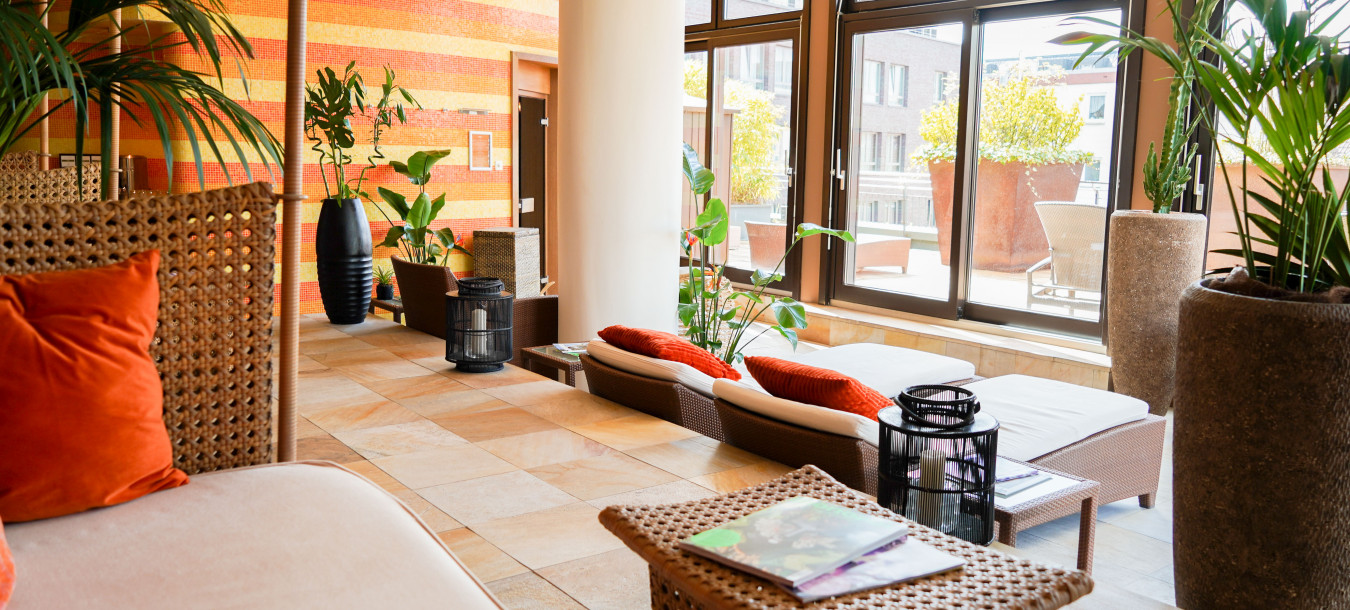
(1076, 233)
(213, 346)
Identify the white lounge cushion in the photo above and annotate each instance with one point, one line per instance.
(799, 413)
(888, 369)
(647, 366)
(296, 535)
(1037, 416)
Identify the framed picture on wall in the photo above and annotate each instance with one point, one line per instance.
(68, 160)
(480, 150)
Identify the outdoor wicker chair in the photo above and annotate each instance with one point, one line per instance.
(1076, 233)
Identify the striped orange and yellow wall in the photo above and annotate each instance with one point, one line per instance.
(452, 55)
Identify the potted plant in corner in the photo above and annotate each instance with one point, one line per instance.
(342, 241)
(1154, 255)
(1025, 139)
(422, 271)
(384, 283)
(1263, 361)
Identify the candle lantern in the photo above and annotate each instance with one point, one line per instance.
(478, 325)
(937, 456)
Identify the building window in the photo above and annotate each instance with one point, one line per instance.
(1092, 172)
(940, 85)
(899, 153)
(752, 67)
(871, 152)
(899, 85)
(873, 82)
(782, 69)
(1096, 108)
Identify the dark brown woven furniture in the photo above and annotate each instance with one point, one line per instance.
(1126, 460)
(213, 346)
(1080, 498)
(393, 306)
(681, 580)
(534, 321)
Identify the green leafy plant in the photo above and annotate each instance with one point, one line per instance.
(384, 276)
(1279, 83)
(331, 106)
(716, 316)
(1020, 120)
(754, 137)
(77, 67)
(415, 238)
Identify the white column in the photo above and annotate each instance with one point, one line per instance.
(620, 101)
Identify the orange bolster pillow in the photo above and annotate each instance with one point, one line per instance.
(816, 386)
(666, 346)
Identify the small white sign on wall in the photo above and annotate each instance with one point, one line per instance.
(527, 205)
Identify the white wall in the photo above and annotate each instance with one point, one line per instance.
(619, 184)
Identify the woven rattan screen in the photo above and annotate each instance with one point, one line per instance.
(214, 343)
(63, 184)
(25, 161)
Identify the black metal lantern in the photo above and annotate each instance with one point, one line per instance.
(478, 325)
(937, 461)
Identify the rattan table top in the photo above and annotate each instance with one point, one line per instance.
(990, 579)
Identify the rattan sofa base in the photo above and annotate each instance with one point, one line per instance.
(1126, 459)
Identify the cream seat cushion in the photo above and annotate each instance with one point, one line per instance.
(824, 419)
(655, 368)
(1037, 416)
(295, 535)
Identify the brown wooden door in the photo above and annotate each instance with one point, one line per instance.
(533, 117)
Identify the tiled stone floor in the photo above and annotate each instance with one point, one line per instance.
(512, 468)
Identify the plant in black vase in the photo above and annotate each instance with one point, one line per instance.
(342, 243)
(384, 283)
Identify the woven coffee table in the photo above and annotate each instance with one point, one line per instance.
(681, 580)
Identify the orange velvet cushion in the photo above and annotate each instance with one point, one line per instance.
(81, 404)
(665, 346)
(816, 386)
(6, 570)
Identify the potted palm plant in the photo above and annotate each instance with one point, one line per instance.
(342, 242)
(138, 81)
(384, 283)
(1263, 374)
(1154, 254)
(422, 271)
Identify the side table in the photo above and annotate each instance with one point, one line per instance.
(990, 579)
(553, 358)
(394, 306)
(1069, 495)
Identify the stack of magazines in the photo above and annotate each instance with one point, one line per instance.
(815, 549)
(1012, 478)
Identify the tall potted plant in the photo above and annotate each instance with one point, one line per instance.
(1154, 254)
(1025, 140)
(139, 81)
(342, 241)
(1263, 375)
(422, 271)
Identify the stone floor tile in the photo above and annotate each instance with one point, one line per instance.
(535, 392)
(371, 365)
(616, 580)
(670, 493)
(384, 441)
(549, 537)
(325, 448)
(602, 476)
(480, 426)
(545, 447)
(435, 518)
(487, 562)
(690, 458)
(323, 346)
(580, 411)
(361, 416)
(416, 351)
(378, 477)
(495, 497)
(508, 376)
(529, 591)
(441, 466)
(634, 431)
(325, 389)
(740, 478)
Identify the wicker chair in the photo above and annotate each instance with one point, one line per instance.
(1126, 460)
(213, 346)
(1076, 233)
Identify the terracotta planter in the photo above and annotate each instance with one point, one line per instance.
(1008, 233)
(343, 260)
(423, 288)
(1154, 257)
(1262, 453)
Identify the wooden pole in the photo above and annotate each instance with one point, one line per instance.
(44, 131)
(116, 112)
(293, 197)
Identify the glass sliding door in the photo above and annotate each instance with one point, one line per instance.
(1046, 130)
(753, 89)
(895, 195)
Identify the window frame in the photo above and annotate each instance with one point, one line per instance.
(719, 21)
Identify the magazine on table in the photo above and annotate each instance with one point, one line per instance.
(570, 348)
(1007, 470)
(1047, 485)
(1004, 489)
(796, 540)
(898, 562)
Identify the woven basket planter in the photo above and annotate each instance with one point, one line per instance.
(423, 288)
(1154, 257)
(1262, 453)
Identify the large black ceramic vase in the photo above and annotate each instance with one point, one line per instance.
(342, 246)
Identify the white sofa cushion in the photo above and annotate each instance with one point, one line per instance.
(799, 413)
(888, 369)
(295, 535)
(1037, 416)
(647, 366)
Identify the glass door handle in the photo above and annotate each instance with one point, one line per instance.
(839, 171)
